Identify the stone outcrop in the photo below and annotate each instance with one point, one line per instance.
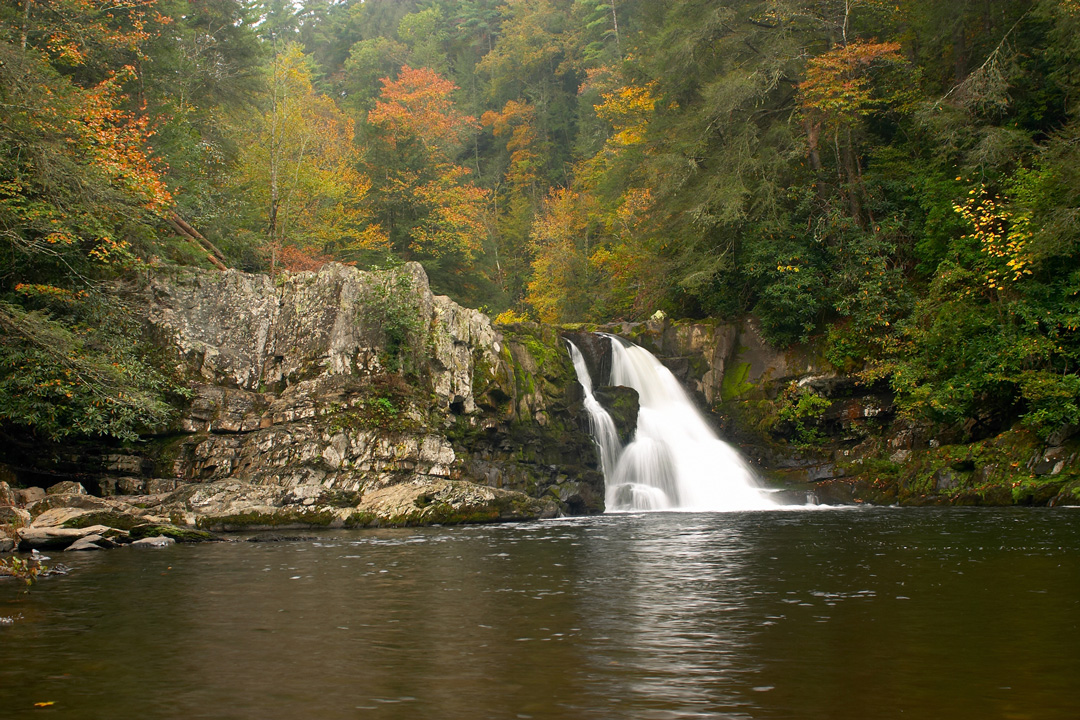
(344, 398)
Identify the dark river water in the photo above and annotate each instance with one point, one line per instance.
(835, 614)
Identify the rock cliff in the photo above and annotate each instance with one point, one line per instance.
(344, 398)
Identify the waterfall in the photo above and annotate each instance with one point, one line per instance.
(675, 461)
(600, 423)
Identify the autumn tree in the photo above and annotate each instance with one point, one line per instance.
(299, 166)
(81, 197)
(425, 200)
(841, 88)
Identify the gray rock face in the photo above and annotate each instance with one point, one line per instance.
(241, 335)
(340, 398)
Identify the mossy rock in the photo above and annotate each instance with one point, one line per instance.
(1068, 495)
(623, 405)
(279, 518)
(110, 518)
(179, 534)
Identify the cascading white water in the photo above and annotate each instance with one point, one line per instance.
(675, 461)
(600, 423)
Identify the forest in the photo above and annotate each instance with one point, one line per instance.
(896, 183)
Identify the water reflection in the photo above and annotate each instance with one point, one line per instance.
(839, 615)
(672, 620)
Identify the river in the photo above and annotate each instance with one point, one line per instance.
(839, 614)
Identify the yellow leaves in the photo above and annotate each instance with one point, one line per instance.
(1004, 236)
(508, 317)
(629, 110)
(109, 250)
(299, 160)
(517, 120)
(787, 268)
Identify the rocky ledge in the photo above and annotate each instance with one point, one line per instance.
(339, 398)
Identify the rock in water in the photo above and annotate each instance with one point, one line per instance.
(90, 542)
(156, 541)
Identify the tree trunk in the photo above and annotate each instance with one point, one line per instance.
(25, 23)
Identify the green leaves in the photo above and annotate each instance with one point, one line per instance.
(89, 380)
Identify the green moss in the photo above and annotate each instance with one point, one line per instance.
(382, 403)
(362, 518)
(279, 518)
(735, 381)
(110, 518)
(989, 472)
(179, 534)
(165, 451)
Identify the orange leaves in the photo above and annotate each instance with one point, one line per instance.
(37, 290)
(115, 141)
(838, 87)
(418, 106)
(296, 259)
(429, 204)
(72, 31)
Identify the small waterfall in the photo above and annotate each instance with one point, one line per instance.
(600, 423)
(675, 461)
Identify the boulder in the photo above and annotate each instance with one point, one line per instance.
(158, 541)
(42, 538)
(7, 495)
(67, 487)
(622, 404)
(14, 516)
(89, 542)
(437, 501)
(82, 502)
(29, 496)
